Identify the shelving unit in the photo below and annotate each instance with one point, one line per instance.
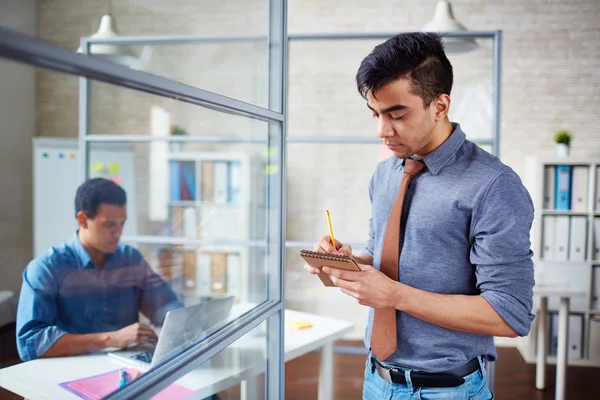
(566, 244)
(212, 201)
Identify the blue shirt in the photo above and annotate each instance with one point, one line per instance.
(465, 222)
(64, 292)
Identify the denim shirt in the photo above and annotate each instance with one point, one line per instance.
(465, 222)
(64, 292)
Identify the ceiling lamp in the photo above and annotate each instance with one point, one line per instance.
(117, 53)
(443, 21)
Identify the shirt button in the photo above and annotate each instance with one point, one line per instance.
(105, 309)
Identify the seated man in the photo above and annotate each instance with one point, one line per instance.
(85, 295)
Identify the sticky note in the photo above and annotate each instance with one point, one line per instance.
(116, 179)
(271, 169)
(298, 325)
(97, 167)
(114, 168)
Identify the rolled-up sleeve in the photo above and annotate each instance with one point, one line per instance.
(501, 251)
(36, 313)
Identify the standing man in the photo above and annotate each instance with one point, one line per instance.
(448, 262)
(86, 294)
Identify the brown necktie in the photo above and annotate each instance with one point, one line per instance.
(383, 335)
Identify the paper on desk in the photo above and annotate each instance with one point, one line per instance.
(99, 386)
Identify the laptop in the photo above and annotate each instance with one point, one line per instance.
(182, 327)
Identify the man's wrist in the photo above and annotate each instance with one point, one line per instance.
(400, 298)
(108, 339)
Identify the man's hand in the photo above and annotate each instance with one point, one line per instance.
(324, 246)
(131, 335)
(369, 286)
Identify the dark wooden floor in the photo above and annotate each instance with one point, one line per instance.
(515, 380)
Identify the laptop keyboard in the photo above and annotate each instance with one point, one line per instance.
(145, 356)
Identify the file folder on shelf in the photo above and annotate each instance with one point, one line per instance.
(577, 237)
(579, 189)
(561, 238)
(562, 199)
(548, 241)
(549, 186)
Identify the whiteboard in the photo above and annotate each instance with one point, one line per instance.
(56, 166)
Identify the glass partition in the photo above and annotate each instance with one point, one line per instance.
(193, 42)
(168, 184)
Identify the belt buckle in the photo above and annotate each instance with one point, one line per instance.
(385, 373)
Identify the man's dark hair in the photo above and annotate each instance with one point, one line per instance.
(416, 56)
(93, 192)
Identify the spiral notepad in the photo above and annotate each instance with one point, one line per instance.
(320, 260)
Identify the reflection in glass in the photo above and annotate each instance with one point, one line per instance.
(237, 372)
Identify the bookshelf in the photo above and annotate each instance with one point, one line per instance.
(213, 201)
(566, 242)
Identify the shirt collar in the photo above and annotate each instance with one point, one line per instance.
(80, 251)
(84, 256)
(440, 156)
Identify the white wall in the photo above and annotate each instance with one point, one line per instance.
(17, 128)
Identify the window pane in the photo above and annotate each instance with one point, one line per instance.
(118, 111)
(207, 201)
(237, 372)
(205, 56)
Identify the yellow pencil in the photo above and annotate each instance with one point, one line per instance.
(330, 229)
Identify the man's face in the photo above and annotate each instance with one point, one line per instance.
(104, 230)
(403, 124)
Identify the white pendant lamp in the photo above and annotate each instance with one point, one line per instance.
(117, 53)
(443, 21)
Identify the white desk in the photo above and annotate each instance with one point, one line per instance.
(39, 379)
(565, 294)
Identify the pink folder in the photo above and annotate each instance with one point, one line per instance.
(99, 386)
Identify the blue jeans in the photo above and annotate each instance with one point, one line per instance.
(376, 388)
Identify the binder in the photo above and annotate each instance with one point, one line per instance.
(190, 222)
(207, 187)
(596, 234)
(189, 269)
(575, 341)
(203, 273)
(597, 197)
(548, 237)
(562, 199)
(218, 273)
(596, 288)
(578, 233)
(579, 189)
(595, 339)
(552, 333)
(549, 188)
(220, 182)
(561, 238)
(187, 177)
(235, 182)
(175, 182)
(176, 221)
(234, 274)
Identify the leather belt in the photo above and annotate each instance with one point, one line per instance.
(450, 378)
